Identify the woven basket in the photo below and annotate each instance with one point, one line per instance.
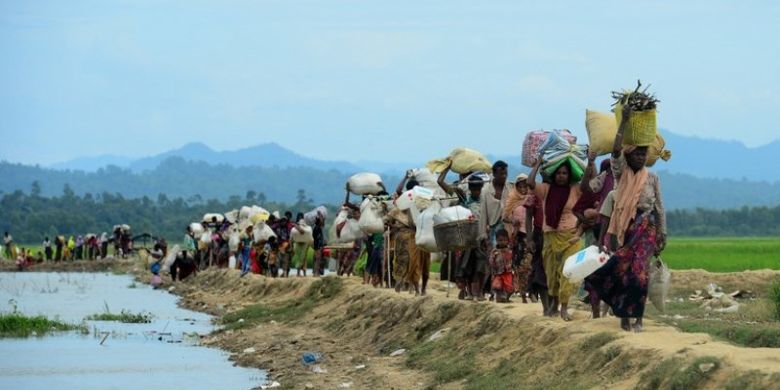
(457, 235)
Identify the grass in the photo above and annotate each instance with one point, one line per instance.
(775, 296)
(754, 325)
(18, 325)
(723, 254)
(673, 374)
(124, 316)
(293, 309)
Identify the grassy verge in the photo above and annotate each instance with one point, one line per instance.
(668, 374)
(18, 325)
(123, 316)
(320, 290)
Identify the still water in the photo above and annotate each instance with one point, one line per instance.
(162, 354)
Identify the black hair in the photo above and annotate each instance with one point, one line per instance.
(298, 217)
(475, 182)
(383, 193)
(502, 233)
(499, 165)
(288, 214)
(411, 184)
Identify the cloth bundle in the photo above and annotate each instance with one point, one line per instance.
(535, 139)
(463, 160)
(557, 150)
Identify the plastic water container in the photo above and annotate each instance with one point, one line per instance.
(232, 262)
(583, 263)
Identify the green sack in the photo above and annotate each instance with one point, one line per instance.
(576, 171)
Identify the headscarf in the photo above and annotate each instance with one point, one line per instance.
(515, 198)
(629, 188)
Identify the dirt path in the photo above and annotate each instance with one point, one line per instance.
(361, 326)
(481, 345)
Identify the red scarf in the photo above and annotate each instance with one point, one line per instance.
(556, 200)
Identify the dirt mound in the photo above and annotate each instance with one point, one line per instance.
(684, 282)
(270, 323)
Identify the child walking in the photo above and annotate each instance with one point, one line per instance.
(500, 262)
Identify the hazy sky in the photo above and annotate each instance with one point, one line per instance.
(368, 79)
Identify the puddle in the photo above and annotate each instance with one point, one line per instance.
(163, 353)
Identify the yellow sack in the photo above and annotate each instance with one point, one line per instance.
(463, 160)
(642, 126)
(602, 130)
(656, 151)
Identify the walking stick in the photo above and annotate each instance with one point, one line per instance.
(449, 272)
(387, 257)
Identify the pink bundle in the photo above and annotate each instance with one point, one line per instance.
(534, 139)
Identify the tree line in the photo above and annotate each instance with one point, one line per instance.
(31, 216)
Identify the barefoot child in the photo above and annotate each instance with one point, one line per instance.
(501, 267)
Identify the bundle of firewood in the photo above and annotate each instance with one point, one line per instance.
(636, 100)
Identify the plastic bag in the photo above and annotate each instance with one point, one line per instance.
(534, 140)
(305, 237)
(452, 214)
(209, 217)
(426, 178)
(344, 229)
(311, 216)
(365, 184)
(196, 228)
(463, 160)
(171, 257)
(602, 130)
(233, 242)
(205, 237)
(232, 216)
(262, 232)
(371, 217)
(424, 236)
(659, 279)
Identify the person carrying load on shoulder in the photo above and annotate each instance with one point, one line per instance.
(470, 266)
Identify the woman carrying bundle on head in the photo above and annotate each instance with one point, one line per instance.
(558, 198)
(637, 231)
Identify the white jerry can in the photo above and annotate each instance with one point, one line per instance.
(583, 263)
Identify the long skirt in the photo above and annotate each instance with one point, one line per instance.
(374, 266)
(300, 251)
(557, 248)
(537, 281)
(402, 256)
(622, 282)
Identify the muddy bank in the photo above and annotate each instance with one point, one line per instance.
(108, 264)
(270, 323)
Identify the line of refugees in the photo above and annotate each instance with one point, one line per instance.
(87, 247)
(273, 257)
(528, 230)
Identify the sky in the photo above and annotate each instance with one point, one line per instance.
(371, 80)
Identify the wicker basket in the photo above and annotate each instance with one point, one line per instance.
(457, 235)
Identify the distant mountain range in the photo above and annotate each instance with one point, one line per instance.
(690, 155)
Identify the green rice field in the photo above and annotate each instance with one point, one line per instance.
(723, 254)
